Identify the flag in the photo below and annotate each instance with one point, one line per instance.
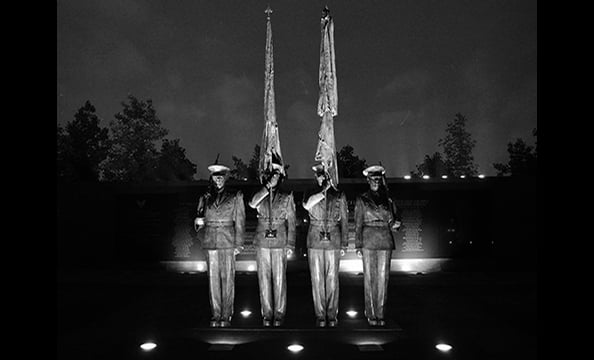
(270, 150)
(328, 100)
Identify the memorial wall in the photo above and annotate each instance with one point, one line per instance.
(154, 223)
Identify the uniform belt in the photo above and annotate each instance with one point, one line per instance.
(219, 223)
(265, 221)
(376, 223)
(322, 223)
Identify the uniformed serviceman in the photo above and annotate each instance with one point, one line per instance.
(221, 212)
(327, 241)
(376, 217)
(274, 241)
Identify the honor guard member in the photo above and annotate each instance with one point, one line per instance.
(274, 241)
(327, 241)
(221, 212)
(375, 219)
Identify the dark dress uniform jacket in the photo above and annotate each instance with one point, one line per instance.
(283, 221)
(337, 218)
(373, 221)
(224, 220)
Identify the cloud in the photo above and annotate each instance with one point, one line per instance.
(175, 112)
(412, 84)
(130, 12)
(235, 92)
(498, 109)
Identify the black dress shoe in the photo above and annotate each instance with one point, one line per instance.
(266, 323)
(372, 322)
(214, 323)
(332, 323)
(225, 323)
(381, 322)
(320, 322)
(278, 322)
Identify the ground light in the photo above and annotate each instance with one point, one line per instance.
(462, 176)
(148, 346)
(246, 313)
(444, 176)
(351, 313)
(443, 347)
(425, 177)
(407, 177)
(295, 348)
(481, 176)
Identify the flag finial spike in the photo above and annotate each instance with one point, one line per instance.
(268, 11)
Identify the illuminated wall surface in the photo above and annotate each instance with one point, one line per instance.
(154, 223)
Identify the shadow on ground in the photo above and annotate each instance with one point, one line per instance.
(107, 314)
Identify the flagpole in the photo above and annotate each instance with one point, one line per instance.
(327, 108)
(270, 211)
(325, 211)
(269, 112)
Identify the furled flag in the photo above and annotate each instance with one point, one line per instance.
(328, 100)
(270, 151)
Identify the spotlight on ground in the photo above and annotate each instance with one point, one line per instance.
(481, 176)
(407, 177)
(444, 176)
(351, 313)
(246, 313)
(295, 348)
(425, 177)
(148, 346)
(443, 347)
(462, 176)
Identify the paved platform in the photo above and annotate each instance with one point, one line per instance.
(107, 314)
(355, 332)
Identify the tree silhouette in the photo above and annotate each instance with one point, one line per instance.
(240, 170)
(81, 146)
(173, 164)
(457, 147)
(135, 131)
(523, 159)
(433, 166)
(349, 164)
(254, 163)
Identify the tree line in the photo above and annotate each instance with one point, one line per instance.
(127, 151)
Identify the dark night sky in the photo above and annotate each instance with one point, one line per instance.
(404, 67)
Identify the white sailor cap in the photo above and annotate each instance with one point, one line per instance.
(217, 169)
(374, 170)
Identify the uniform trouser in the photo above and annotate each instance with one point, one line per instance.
(323, 268)
(221, 283)
(376, 273)
(272, 265)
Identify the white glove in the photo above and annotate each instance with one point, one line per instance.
(198, 223)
